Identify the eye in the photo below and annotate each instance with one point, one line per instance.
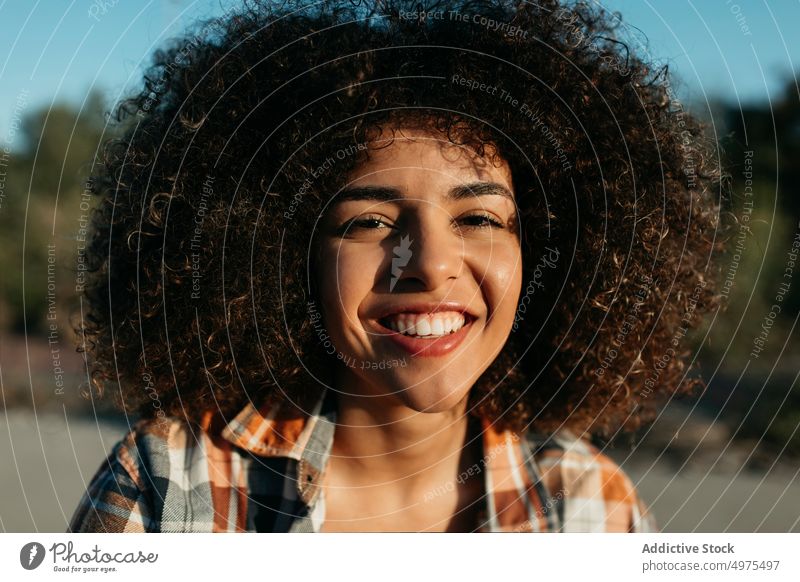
(481, 220)
(368, 222)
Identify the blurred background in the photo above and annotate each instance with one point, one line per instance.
(725, 460)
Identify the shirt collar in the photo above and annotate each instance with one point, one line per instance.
(284, 430)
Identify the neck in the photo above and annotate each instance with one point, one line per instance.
(379, 439)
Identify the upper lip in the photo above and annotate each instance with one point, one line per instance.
(427, 307)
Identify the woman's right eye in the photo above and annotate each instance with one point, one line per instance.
(365, 223)
(370, 223)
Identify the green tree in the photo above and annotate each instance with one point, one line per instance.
(45, 175)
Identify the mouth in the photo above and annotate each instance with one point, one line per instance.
(427, 332)
(426, 325)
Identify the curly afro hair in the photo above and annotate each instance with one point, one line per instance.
(199, 280)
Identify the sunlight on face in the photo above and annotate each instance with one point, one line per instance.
(420, 271)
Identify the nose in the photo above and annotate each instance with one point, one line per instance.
(427, 255)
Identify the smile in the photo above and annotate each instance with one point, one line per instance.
(426, 334)
(425, 324)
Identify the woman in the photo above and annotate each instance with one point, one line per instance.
(374, 268)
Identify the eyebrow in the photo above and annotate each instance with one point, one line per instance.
(389, 194)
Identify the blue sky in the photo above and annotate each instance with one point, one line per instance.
(55, 50)
(741, 50)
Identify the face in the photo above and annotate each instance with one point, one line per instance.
(419, 271)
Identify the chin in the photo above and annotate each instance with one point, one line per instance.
(432, 397)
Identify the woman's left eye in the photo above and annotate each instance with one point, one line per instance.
(481, 221)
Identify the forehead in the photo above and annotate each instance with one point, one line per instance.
(411, 157)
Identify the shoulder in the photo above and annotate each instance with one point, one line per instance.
(159, 446)
(154, 450)
(592, 491)
(149, 467)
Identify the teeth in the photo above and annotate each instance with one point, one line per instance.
(426, 325)
(423, 326)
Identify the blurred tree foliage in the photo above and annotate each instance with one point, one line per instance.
(50, 157)
(757, 394)
(771, 131)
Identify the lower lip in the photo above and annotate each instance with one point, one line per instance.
(427, 348)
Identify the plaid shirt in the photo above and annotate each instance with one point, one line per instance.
(262, 472)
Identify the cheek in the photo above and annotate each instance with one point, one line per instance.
(346, 275)
(502, 280)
